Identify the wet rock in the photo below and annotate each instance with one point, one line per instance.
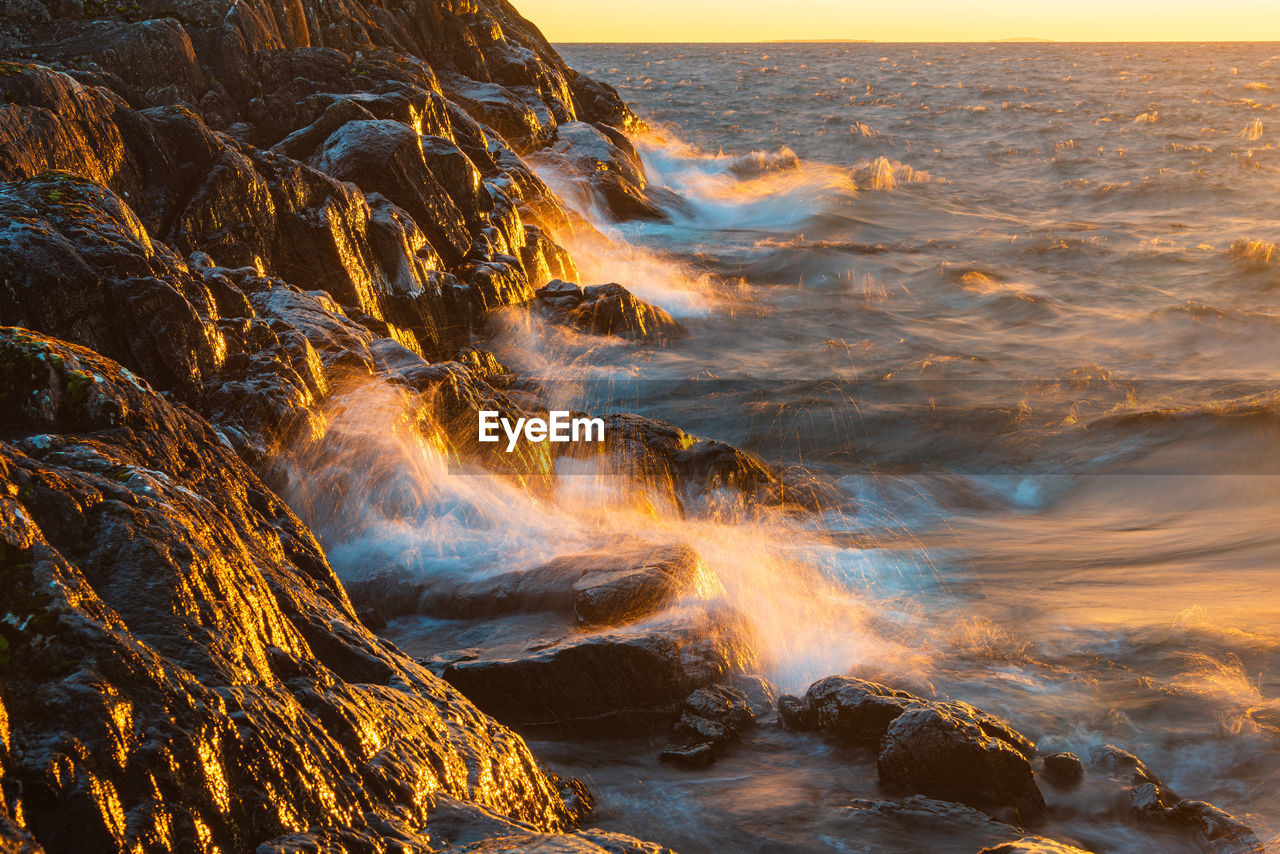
(697, 755)
(612, 310)
(929, 824)
(710, 718)
(956, 752)
(607, 310)
(1063, 769)
(1033, 845)
(584, 842)
(1125, 767)
(172, 615)
(80, 265)
(618, 591)
(761, 695)
(699, 472)
(387, 157)
(603, 587)
(605, 164)
(853, 710)
(614, 679)
(1213, 829)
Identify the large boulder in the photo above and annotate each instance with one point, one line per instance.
(388, 157)
(955, 752)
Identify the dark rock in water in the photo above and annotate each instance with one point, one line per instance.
(583, 842)
(662, 454)
(761, 696)
(1033, 845)
(1214, 829)
(710, 718)
(956, 752)
(626, 588)
(1152, 802)
(1126, 768)
(793, 713)
(612, 310)
(607, 310)
(181, 654)
(697, 755)
(1063, 769)
(851, 709)
(929, 824)
(610, 680)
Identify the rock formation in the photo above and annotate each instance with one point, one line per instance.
(214, 214)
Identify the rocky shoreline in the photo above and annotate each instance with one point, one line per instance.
(216, 218)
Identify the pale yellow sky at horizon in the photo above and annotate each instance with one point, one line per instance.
(903, 20)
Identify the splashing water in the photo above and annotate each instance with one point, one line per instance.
(1044, 387)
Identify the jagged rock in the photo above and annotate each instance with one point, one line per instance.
(1214, 829)
(614, 679)
(1125, 767)
(584, 842)
(630, 586)
(1033, 845)
(956, 752)
(78, 264)
(181, 654)
(1063, 769)
(387, 157)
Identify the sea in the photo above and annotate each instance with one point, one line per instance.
(1020, 305)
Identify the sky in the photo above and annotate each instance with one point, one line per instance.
(903, 20)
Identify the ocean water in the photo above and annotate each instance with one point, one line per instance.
(1021, 303)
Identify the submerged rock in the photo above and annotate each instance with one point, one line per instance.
(946, 750)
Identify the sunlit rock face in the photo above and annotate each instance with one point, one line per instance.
(213, 215)
(181, 667)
